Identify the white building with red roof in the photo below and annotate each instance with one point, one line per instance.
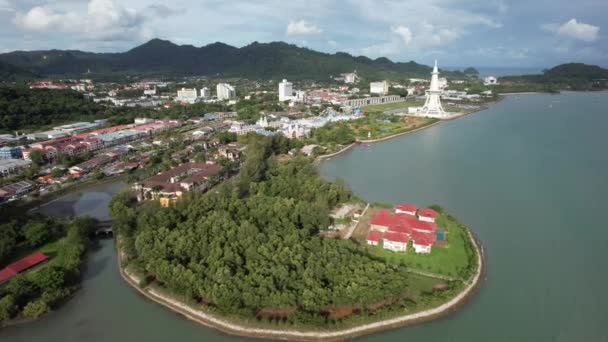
(427, 214)
(395, 241)
(406, 208)
(373, 237)
(422, 242)
(423, 226)
(382, 220)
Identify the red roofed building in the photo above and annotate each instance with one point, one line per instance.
(423, 226)
(406, 208)
(427, 214)
(382, 220)
(422, 242)
(373, 237)
(395, 241)
(21, 265)
(401, 224)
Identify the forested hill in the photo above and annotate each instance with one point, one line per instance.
(573, 75)
(255, 61)
(9, 72)
(21, 107)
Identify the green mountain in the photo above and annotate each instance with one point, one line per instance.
(577, 76)
(257, 60)
(10, 73)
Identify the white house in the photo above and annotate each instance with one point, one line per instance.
(396, 242)
(422, 243)
(427, 214)
(373, 237)
(406, 208)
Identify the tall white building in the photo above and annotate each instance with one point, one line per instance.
(380, 88)
(350, 78)
(205, 93)
(285, 91)
(225, 91)
(187, 95)
(432, 107)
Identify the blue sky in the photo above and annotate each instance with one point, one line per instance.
(488, 33)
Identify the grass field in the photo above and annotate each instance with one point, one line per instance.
(394, 105)
(378, 127)
(451, 260)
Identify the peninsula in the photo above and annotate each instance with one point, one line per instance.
(256, 255)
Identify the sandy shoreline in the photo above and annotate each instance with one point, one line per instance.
(226, 326)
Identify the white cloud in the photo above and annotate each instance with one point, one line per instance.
(302, 27)
(104, 20)
(5, 6)
(332, 43)
(404, 33)
(575, 30)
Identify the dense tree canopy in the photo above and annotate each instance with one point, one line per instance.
(23, 107)
(33, 293)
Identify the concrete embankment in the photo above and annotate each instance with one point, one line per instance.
(231, 327)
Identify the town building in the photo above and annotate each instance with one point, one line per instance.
(205, 93)
(53, 134)
(350, 78)
(396, 242)
(91, 164)
(397, 229)
(406, 208)
(7, 152)
(373, 237)
(9, 167)
(285, 91)
(143, 121)
(18, 188)
(186, 95)
(225, 91)
(422, 243)
(231, 151)
(366, 101)
(427, 214)
(174, 183)
(381, 221)
(21, 265)
(379, 88)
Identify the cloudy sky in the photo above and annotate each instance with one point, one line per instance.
(482, 33)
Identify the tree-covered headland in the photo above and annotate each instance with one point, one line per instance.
(250, 248)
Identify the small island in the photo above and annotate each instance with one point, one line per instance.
(254, 256)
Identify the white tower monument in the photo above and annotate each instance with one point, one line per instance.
(432, 106)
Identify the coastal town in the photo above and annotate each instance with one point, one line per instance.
(303, 171)
(73, 151)
(168, 161)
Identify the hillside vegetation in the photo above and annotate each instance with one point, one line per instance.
(255, 61)
(576, 76)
